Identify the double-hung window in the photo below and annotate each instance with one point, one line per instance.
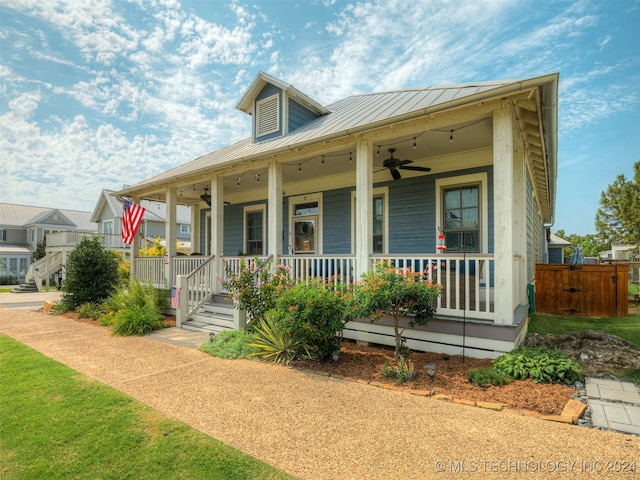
(254, 230)
(462, 218)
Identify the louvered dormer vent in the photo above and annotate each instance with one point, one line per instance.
(267, 116)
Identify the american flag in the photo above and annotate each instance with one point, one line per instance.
(131, 217)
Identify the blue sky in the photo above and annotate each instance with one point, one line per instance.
(98, 94)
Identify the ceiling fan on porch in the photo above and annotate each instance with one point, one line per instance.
(395, 164)
(207, 198)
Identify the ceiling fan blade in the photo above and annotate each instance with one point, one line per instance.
(395, 174)
(417, 169)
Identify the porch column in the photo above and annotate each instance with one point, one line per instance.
(170, 234)
(503, 188)
(274, 212)
(217, 228)
(195, 228)
(364, 207)
(520, 222)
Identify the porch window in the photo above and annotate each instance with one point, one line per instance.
(3, 267)
(380, 225)
(254, 230)
(462, 218)
(3, 235)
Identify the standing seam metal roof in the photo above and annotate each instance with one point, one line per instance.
(352, 113)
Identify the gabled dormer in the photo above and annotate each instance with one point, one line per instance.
(277, 108)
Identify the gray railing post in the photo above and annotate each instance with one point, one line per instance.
(183, 298)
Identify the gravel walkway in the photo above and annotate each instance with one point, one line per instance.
(320, 428)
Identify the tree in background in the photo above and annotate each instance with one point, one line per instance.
(41, 250)
(618, 218)
(591, 244)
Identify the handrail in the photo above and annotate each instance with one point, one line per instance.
(194, 290)
(260, 266)
(36, 271)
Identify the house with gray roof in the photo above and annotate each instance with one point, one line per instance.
(23, 226)
(107, 214)
(456, 181)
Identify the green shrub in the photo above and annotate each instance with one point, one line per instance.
(229, 344)
(135, 309)
(136, 293)
(541, 364)
(273, 343)
(315, 314)
(483, 377)
(404, 371)
(89, 310)
(137, 320)
(256, 294)
(397, 293)
(91, 274)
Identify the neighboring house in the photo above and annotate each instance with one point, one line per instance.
(620, 253)
(108, 216)
(329, 190)
(22, 227)
(556, 247)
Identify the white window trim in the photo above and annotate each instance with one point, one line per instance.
(462, 180)
(259, 103)
(378, 191)
(185, 229)
(312, 197)
(113, 227)
(250, 209)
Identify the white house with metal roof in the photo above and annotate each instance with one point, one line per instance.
(23, 226)
(329, 190)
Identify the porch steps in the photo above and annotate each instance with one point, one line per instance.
(28, 287)
(215, 316)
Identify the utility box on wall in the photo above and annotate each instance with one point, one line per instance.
(585, 290)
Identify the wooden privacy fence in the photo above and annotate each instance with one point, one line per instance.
(589, 290)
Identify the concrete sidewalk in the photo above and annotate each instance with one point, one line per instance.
(614, 405)
(316, 427)
(28, 300)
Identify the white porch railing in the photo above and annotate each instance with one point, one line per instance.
(72, 239)
(186, 265)
(336, 269)
(465, 279)
(195, 289)
(151, 269)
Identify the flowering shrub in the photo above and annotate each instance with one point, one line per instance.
(255, 288)
(157, 250)
(397, 293)
(316, 313)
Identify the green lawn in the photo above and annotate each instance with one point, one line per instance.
(58, 423)
(626, 327)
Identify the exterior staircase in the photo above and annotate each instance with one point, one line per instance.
(214, 316)
(28, 287)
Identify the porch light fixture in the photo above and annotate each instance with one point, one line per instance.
(335, 355)
(451, 137)
(239, 181)
(414, 143)
(257, 177)
(299, 167)
(431, 370)
(350, 158)
(378, 152)
(322, 159)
